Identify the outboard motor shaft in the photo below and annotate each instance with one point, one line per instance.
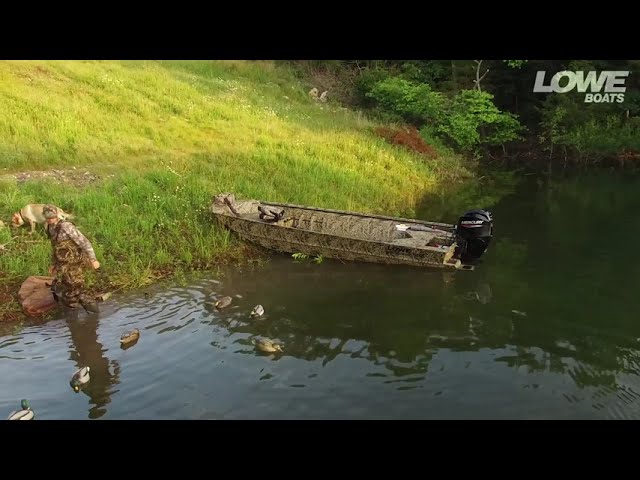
(473, 234)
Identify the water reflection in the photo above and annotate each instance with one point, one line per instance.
(400, 320)
(87, 351)
(395, 320)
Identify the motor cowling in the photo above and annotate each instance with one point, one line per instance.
(473, 231)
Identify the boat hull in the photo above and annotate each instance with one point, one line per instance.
(292, 241)
(340, 235)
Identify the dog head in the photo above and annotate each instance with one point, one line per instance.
(16, 220)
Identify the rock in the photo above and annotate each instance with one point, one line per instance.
(36, 297)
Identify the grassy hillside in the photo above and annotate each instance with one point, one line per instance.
(136, 150)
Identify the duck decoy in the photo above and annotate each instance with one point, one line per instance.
(80, 378)
(129, 337)
(268, 346)
(223, 302)
(257, 311)
(24, 414)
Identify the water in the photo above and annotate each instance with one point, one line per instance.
(546, 328)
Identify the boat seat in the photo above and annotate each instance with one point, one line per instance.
(415, 239)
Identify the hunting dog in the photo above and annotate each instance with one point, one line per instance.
(32, 213)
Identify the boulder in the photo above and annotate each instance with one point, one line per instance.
(36, 297)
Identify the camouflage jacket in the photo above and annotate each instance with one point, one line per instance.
(65, 230)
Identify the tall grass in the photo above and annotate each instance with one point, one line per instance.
(164, 137)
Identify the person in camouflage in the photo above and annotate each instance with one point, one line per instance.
(72, 251)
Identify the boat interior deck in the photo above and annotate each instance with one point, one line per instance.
(363, 227)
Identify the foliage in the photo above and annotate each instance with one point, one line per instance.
(417, 103)
(469, 120)
(472, 111)
(515, 63)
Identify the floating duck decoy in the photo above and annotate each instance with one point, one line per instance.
(25, 414)
(80, 378)
(483, 294)
(257, 311)
(268, 346)
(129, 337)
(223, 302)
(104, 297)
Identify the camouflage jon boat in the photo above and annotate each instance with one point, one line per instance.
(356, 236)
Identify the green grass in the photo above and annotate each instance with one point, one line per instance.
(164, 137)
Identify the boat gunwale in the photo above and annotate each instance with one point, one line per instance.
(346, 212)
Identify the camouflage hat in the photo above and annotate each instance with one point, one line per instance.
(50, 211)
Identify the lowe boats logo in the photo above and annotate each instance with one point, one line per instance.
(613, 82)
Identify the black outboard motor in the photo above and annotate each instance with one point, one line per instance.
(473, 234)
